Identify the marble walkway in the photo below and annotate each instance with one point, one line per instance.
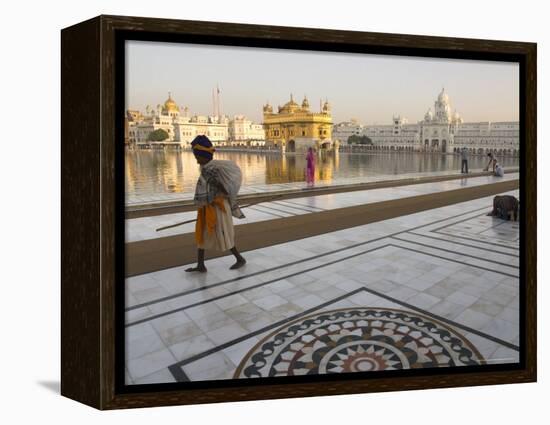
(145, 228)
(438, 288)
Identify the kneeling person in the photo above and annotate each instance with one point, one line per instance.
(505, 207)
(216, 197)
(499, 171)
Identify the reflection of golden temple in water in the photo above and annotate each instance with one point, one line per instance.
(154, 172)
(292, 168)
(324, 168)
(177, 172)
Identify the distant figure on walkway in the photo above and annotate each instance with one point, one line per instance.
(310, 167)
(216, 197)
(464, 155)
(492, 162)
(505, 207)
(499, 171)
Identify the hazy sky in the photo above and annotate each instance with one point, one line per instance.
(370, 88)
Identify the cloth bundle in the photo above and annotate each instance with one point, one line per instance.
(219, 177)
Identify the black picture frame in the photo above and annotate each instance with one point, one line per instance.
(93, 213)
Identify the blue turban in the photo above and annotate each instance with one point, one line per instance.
(202, 146)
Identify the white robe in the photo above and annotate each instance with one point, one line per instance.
(223, 236)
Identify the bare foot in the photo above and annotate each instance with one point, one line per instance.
(238, 264)
(200, 269)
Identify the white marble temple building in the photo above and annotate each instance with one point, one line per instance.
(441, 130)
(182, 127)
(243, 132)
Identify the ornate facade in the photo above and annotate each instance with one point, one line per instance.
(344, 130)
(441, 130)
(294, 128)
(399, 135)
(178, 124)
(243, 132)
(438, 128)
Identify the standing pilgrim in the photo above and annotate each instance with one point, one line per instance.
(310, 167)
(216, 197)
(464, 155)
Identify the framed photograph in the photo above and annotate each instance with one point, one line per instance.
(254, 212)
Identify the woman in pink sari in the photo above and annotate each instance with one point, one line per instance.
(310, 168)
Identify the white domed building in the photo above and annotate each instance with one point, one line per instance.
(179, 125)
(436, 131)
(160, 118)
(400, 135)
(447, 132)
(443, 130)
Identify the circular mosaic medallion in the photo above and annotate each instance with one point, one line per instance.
(358, 340)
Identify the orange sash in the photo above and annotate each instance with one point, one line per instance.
(206, 216)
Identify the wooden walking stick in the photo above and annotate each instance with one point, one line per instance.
(175, 225)
(193, 220)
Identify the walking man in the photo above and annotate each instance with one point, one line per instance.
(216, 198)
(464, 155)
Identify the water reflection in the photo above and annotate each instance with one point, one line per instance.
(159, 171)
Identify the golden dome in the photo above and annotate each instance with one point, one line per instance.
(170, 105)
(290, 106)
